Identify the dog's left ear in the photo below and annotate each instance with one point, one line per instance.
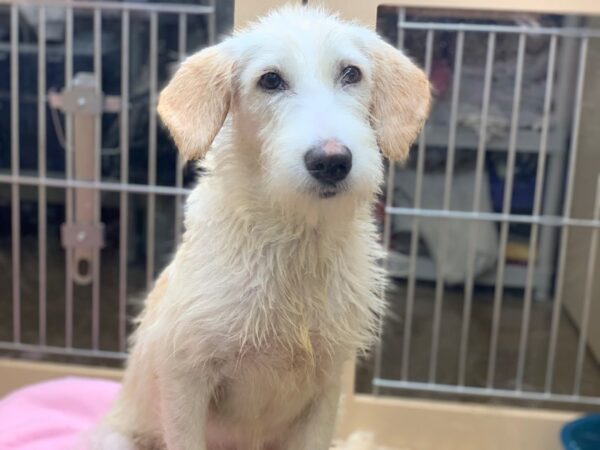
(196, 101)
(400, 102)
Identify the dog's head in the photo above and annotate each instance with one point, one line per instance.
(311, 98)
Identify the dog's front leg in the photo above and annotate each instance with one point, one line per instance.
(184, 403)
(314, 431)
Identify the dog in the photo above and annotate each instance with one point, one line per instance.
(277, 281)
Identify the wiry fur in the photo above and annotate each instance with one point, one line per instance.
(241, 341)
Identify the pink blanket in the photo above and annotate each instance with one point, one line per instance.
(54, 415)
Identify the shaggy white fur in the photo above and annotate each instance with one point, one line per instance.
(276, 282)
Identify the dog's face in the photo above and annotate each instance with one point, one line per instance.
(315, 97)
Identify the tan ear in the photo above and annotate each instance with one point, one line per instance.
(400, 102)
(196, 101)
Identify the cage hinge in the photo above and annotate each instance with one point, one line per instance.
(83, 233)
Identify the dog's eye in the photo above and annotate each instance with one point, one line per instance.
(271, 81)
(351, 75)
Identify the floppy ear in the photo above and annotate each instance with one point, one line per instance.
(195, 103)
(400, 102)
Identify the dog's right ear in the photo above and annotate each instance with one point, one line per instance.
(196, 101)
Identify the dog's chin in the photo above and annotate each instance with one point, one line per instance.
(326, 192)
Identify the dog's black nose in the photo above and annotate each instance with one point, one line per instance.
(329, 162)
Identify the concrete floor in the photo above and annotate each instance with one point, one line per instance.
(82, 320)
(479, 340)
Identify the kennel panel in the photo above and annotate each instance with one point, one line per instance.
(90, 174)
(483, 321)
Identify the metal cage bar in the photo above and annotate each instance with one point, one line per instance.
(387, 230)
(97, 18)
(42, 222)
(151, 211)
(537, 207)
(118, 6)
(470, 278)
(14, 163)
(212, 24)
(69, 176)
(124, 169)
(414, 242)
(562, 258)
(514, 29)
(508, 191)
(450, 158)
(471, 391)
(182, 50)
(546, 220)
(587, 299)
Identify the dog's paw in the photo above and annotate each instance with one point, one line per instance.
(105, 438)
(359, 440)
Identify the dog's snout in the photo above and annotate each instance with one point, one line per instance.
(329, 162)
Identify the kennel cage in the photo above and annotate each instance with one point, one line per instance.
(471, 222)
(491, 228)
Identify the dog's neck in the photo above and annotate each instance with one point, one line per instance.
(302, 279)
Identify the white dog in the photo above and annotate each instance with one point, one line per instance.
(276, 283)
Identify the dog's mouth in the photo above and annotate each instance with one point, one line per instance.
(326, 191)
(327, 194)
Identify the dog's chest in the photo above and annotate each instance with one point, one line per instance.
(288, 309)
(264, 392)
(276, 287)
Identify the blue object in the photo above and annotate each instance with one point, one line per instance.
(524, 180)
(582, 434)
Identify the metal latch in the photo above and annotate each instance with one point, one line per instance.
(85, 234)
